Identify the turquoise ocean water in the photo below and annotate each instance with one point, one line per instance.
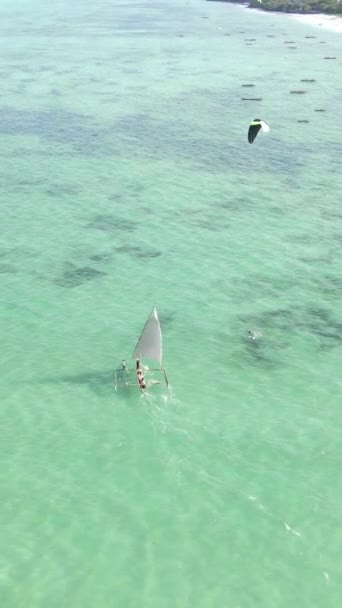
(127, 181)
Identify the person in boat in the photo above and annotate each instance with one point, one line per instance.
(140, 376)
(141, 379)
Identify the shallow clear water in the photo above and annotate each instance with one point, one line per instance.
(127, 181)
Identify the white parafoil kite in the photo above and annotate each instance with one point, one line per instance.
(255, 127)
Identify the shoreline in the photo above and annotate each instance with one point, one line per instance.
(326, 22)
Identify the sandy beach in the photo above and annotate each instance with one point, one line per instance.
(327, 22)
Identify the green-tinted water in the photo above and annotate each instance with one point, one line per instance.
(127, 181)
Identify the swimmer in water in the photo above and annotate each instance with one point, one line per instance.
(251, 335)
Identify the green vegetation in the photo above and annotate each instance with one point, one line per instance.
(333, 7)
(329, 7)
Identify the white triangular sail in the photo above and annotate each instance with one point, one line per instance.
(150, 342)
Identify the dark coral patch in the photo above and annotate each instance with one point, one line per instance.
(75, 276)
(108, 223)
(138, 252)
